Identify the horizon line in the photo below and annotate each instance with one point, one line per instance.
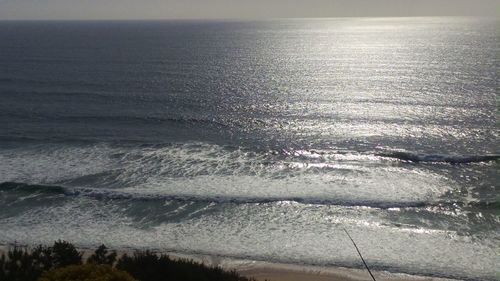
(247, 18)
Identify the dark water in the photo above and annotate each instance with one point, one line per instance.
(259, 140)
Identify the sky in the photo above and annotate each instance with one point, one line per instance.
(239, 9)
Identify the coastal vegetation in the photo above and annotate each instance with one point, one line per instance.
(63, 262)
(87, 272)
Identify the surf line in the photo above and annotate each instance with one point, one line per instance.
(359, 253)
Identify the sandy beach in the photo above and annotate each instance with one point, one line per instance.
(261, 270)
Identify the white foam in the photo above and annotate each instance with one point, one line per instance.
(53, 163)
(286, 232)
(212, 171)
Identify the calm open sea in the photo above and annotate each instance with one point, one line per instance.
(258, 140)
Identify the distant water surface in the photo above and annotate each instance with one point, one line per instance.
(259, 140)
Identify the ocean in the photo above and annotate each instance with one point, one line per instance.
(258, 140)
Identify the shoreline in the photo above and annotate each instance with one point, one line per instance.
(272, 271)
(276, 271)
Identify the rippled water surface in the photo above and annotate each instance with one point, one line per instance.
(259, 140)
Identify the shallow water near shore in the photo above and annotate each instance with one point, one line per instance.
(257, 140)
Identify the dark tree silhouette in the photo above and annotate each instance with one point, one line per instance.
(147, 266)
(101, 256)
(42, 257)
(64, 254)
(3, 274)
(22, 264)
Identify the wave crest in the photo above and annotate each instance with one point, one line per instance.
(439, 158)
(109, 194)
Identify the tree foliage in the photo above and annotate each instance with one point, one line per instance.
(62, 262)
(64, 254)
(101, 256)
(86, 272)
(148, 266)
(22, 264)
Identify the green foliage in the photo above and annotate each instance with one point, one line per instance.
(64, 253)
(86, 272)
(43, 257)
(20, 264)
(101, 256)
(147, 266)
(63, 262)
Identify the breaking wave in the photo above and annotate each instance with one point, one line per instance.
(110, 194)
(451, 159)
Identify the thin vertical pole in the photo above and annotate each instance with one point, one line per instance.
(359, 253)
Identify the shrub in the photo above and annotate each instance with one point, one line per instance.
(20, 264)
(63, 262)
(86, 272)
(101, 256)
(42, 257)
(64, 254)
(3, 275)
(147, 266)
